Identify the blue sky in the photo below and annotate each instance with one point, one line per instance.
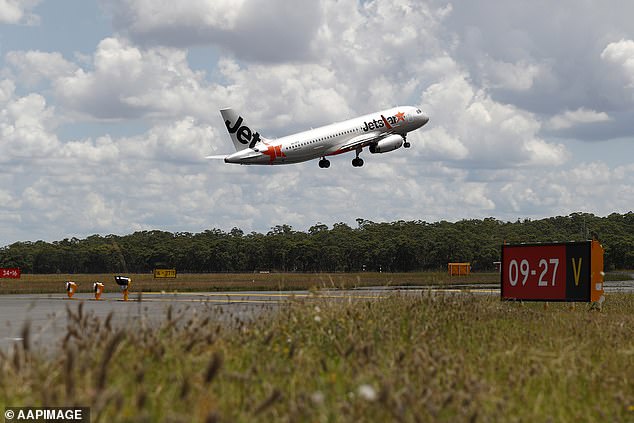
(108, 107)
(59, 26)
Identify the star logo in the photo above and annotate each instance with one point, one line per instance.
(400, 116)
(274, 151)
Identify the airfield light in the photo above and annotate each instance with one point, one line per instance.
(71, 287)
(124, 283)
(98, 288)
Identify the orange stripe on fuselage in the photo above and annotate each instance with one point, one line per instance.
(387, 124)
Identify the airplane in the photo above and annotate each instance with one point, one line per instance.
(381, 131)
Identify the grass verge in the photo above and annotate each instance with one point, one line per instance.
(402, 358)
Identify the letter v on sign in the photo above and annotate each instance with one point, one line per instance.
(576, 268)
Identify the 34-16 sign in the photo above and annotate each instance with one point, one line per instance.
(571, 271)
(11, 273)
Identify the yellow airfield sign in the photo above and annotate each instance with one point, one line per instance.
(164, 273)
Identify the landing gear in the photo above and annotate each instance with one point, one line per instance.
(323, 163)
(405, 143)
(357, 161)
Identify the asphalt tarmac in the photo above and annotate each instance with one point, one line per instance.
(46, 315)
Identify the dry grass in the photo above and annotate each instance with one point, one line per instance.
(237, 281)
(402, 358)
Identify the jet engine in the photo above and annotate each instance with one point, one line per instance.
(389, 143)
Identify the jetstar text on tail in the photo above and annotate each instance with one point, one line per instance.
(384, 122)
(244, 134)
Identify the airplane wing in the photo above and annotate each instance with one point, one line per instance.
(360, 141)
(244, 155)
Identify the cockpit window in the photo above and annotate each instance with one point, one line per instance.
(418, 111)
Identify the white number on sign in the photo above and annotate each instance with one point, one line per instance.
(543, 264)
(515, 271)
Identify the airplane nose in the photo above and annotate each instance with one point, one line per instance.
(425, 119)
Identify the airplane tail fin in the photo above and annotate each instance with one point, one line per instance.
(241, 134)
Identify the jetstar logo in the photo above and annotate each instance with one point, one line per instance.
(274, 151)
(384, 122)
(243, 132)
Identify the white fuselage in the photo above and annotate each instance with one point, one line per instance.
(337, 138)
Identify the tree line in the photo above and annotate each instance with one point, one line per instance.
(400, 246)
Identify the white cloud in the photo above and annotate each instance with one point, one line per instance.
(476, 195)
(129, 82)
(518, 76)
(520, 51)
(18, 11)
(142, 16)
(33, 66)
(26, 125)
(570, 118)
(114, 185)
(621, 53)
(290, 96)
(544, 154)
(475, 128)
(593, 187)
(7, 89)
(440, 145)
(266, 31)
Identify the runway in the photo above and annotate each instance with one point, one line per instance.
(46, 314)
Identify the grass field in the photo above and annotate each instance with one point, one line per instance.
(237, 281)
(402, 358)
